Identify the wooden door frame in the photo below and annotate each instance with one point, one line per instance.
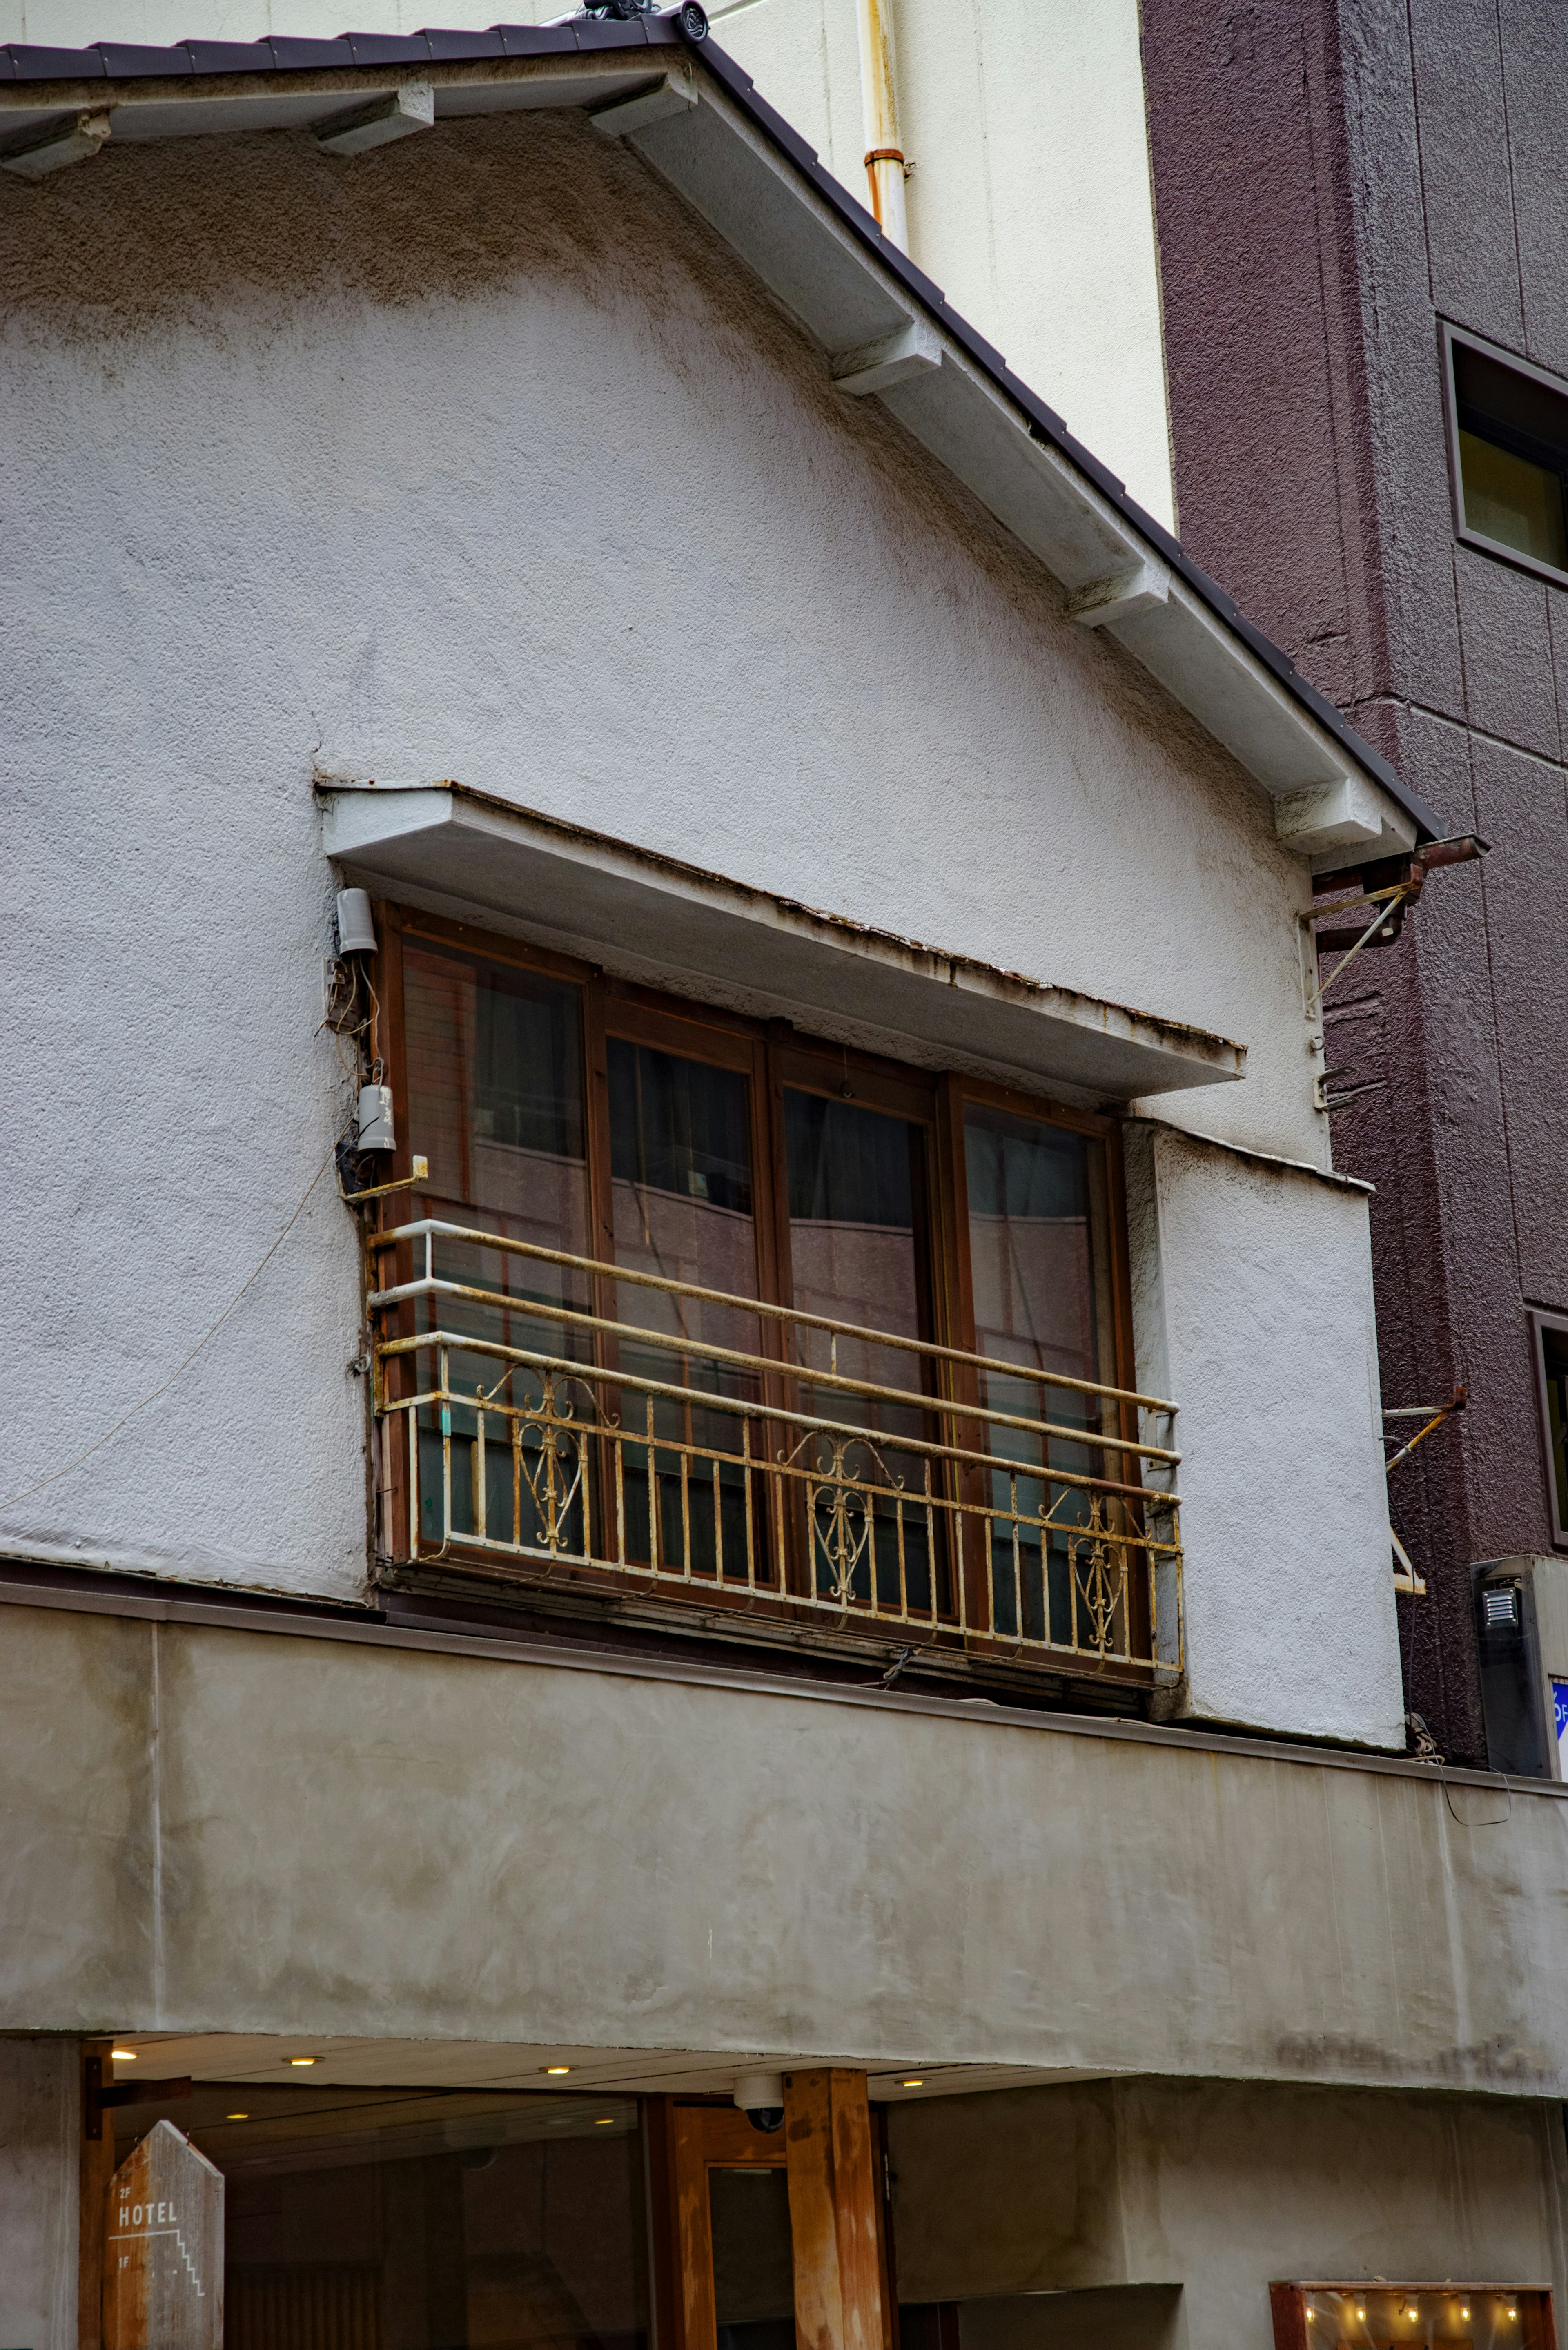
(686, 2142)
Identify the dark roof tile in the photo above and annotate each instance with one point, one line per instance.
(30, 62)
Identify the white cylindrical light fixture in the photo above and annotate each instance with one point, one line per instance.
(355, 929)
(373, 1124)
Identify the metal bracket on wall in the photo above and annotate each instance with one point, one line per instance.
(96, 2097)
(1434, 1415)
(1389, 888)
(1405, 1578)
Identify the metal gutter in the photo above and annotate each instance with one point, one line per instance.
(61, 78)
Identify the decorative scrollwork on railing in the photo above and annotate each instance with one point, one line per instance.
(552, 1470)
(1028, 1533)
(841, 1505)
(1100, 1580)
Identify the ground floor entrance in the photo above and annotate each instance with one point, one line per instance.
(355, 2218)
(801, 2212)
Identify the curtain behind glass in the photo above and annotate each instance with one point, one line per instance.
(681, 1192)
(1041, 1272)
(495, 1103)
(855, 1200)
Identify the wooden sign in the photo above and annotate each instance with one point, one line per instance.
(163, 2249)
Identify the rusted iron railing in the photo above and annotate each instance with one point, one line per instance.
(582, 1428)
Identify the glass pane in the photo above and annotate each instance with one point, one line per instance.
(1511, 500)
(1555, 1352)
(856, 1221)
(1418, 2317)
(754, 2278)
(680, 1167)
(422, 2220)
(1039, 1269)
(495, 1103)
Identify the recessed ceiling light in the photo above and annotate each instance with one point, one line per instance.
(302, 2060)
(912, 2084)
(123, 2055)
(557, 2068)
(236, 2118)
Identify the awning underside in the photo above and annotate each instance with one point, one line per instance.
(628, 908)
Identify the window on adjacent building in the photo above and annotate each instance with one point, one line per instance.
(1552, 1376)
(1510, 428)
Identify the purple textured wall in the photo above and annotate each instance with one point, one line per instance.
(1329, 181)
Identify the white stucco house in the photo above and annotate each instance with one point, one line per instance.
(694, 1417)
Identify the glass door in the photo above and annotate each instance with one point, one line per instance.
(735, 2250)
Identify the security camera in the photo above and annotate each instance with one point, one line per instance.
(759, 2096)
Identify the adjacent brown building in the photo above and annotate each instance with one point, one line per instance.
(1363, 218)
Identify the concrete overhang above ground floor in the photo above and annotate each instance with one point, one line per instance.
(262, 1827)
(657, 918)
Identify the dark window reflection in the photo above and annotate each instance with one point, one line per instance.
(1041, 1269)
(495, 1103)
(858, 1253)
(753, 2276)
(680, 1171)
(422, 2223)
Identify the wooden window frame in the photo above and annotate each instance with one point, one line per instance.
(772, 1055)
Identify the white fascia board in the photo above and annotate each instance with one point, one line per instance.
(579, 886)
(1212, 672)
(776, 221)
(1113, 578)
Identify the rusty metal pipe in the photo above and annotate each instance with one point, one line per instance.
(884, 153)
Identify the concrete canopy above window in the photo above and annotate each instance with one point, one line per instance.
(596, 896)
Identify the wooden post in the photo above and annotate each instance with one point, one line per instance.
(163, 2248)
(95, 2171)
(839, 2299)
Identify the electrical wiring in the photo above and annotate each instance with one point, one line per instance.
(210, 1332)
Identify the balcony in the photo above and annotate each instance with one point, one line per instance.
(622, 1441)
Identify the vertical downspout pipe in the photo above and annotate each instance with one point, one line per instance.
(884, 155)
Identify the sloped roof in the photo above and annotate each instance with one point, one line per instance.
(697, 119)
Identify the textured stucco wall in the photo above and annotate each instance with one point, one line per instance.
(40, 2129)
(1221, 2190)
(477, 458)
(211, 1830)
(1030, 203)
(1253, 1311)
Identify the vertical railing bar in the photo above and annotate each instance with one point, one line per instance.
(685, 1459)
(778, 1489)
(750, 1526)
(1017, 1560)
(718, 1528)
(653, 1527)
(480, 1478)
(903, 1552)
(617, 1453)
(413, 1420)
(445, 1448)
